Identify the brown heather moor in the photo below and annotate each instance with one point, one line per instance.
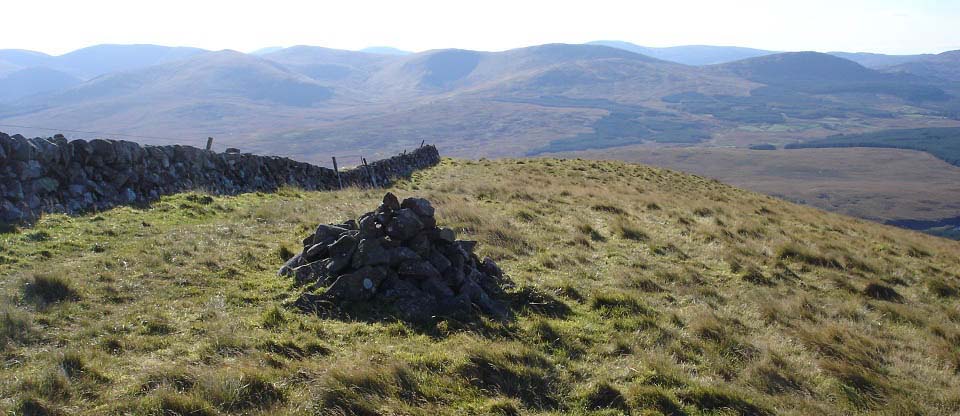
(639, 291)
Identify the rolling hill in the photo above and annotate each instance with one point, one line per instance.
(689, 54)
(879, 60)
(814, 72)
(88, 63)
(215, 91)
(312, 103)
(545, 98)
(32, 81)
(944, 66)
(20, 58)
(637, 291)
(711, 55)
(385, 50)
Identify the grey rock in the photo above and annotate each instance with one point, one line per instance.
(404, 226)
(439, 261)
(436, 287)
(490, 268)
(467, 245)
(34, 202)
(326, 234)
(316, 252)
(417, 269)
(484, 301)
(390, 203)
(369, 227)
(370, 252)
(401, 254)
(410, 302)
(14, 191)
(315, 272)
(104, 151)
(31, 170)
(458, 306)
(359, 285)
(10, 212)
(447, 234)
(340, 253)
(350, 225)
(46, 184)
(76, 190)
(292, 263)
(420, 244)
(420, 206)
(454, 276)
(486, 282)
(21, 149)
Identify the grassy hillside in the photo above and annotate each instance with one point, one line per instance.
(911, 185)
(638, 290)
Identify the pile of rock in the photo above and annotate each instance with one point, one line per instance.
(398, 256)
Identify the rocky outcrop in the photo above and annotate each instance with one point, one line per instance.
(45, 175)
(397, 256)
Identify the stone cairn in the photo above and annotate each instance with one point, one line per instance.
(397, 256)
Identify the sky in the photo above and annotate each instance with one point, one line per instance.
(882, 26)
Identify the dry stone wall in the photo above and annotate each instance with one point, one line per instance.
(47, 175)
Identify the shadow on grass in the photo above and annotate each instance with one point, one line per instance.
(525, 300)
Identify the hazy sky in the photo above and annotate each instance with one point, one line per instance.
(886, 26)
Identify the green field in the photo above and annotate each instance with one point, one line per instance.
(638, 291)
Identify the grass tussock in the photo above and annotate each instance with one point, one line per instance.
(15, 326)
(619, 304)
(45, 289)
(654, 400)
(880, 291)
(238, 391)
(603, 396)
(720, 399)
(801, 254)
(625, 228)
(514, 371)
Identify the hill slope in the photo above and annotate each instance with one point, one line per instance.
(98, 60)
(31, 81)
(945, 66)
(878, 60)
(214, 91)
(638, 289)
(689, 54)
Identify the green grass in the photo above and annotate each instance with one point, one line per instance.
(638, 290)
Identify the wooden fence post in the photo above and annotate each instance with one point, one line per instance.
(373, 179)
(335, 169)
(209, 143)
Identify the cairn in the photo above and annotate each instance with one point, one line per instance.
(398, 256)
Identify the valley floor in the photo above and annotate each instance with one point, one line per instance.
(876, 184)
(639, 290)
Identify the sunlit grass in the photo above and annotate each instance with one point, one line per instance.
(637, 290)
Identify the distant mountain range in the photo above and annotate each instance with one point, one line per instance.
(312, 101)
(690, 54)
